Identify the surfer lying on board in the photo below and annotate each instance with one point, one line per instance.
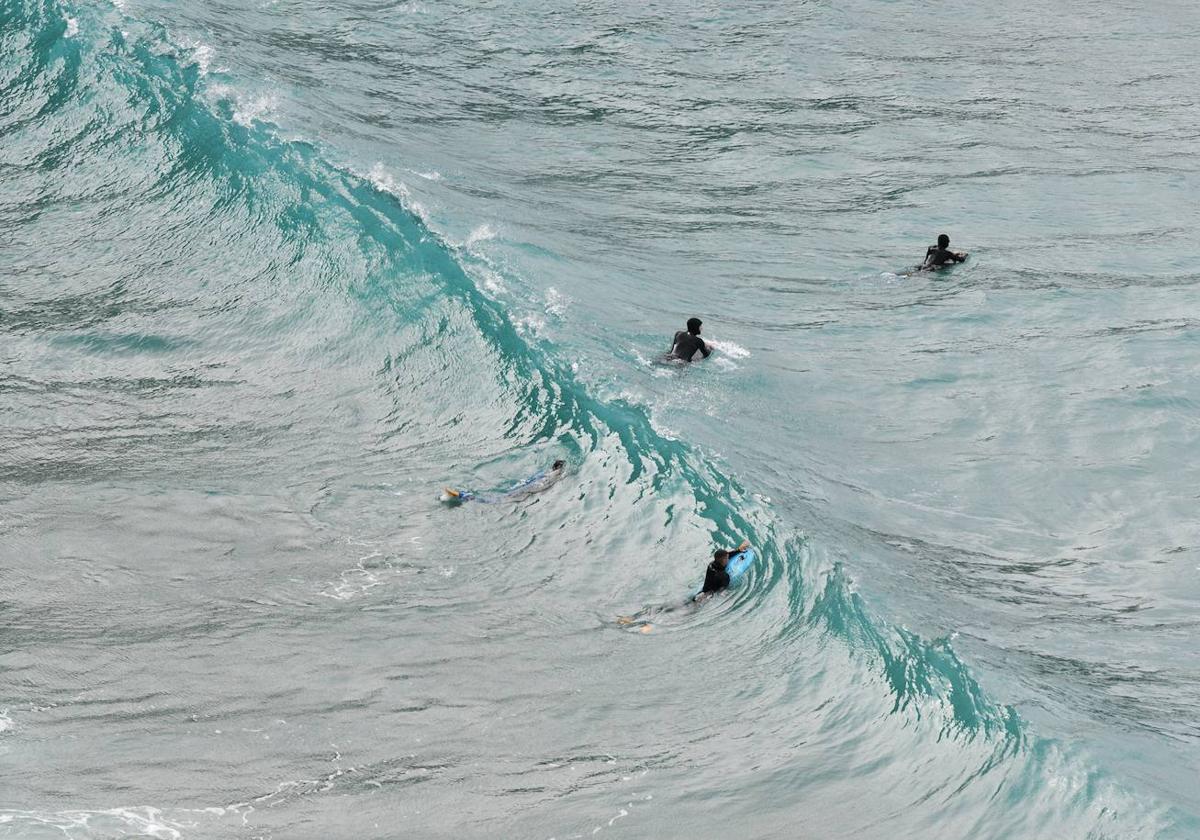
(536, 483)
(715, 577)
(688, 342)
(939, 255)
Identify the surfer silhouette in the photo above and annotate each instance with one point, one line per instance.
(940, 255)
(536, 483)
(687, 343)
(716, 578)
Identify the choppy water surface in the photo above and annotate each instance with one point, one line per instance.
(271, 276)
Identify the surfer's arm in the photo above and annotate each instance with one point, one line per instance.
(705, 349)
(960, 256)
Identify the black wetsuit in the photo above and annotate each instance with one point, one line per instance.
(715, 578)
(686, 345)
(937, 257)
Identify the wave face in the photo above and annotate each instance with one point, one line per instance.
(272, 277)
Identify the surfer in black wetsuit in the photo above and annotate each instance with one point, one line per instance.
(715, 576)
(939, 255)
(715, 579)
(688, 342)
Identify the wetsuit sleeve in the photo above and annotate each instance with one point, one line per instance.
(704, 348)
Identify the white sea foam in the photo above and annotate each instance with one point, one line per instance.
(556, 302)
(656, 367)
(661, 428)
(112, 822)
(202, 54)
(481, 234)
(530, 325)
(432, 175)
(728, 348)
(5, 721)
(383, 181)
(358, 581)
(493, 282)
(248, 110)
(72, 28)
(285, 791)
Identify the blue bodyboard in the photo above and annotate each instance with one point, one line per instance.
(736, 568)
(738, 565)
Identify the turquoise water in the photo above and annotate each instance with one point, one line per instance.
(272, 276)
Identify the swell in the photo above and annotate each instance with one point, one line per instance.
(204, 139)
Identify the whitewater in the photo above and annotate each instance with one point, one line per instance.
(271, 277)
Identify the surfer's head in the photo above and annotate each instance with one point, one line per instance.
(721, 556)
(943, 241)
(558, 465)
(694, 326)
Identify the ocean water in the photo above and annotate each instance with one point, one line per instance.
(272, 274)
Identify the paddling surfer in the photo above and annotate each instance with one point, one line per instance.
(688, 343)
(940, 255)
